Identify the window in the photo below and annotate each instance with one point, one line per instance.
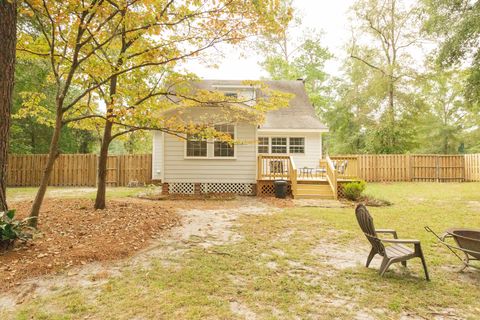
(279, 145)
(196, 147)
(231, 95)
(263, 145)
(221, 148)
(297, 145)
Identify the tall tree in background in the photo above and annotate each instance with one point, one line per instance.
(445, 118)
(289, 57)
(386, 30)
(8, 29)
(458, 23)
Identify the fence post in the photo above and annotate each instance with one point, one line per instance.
(408, 165)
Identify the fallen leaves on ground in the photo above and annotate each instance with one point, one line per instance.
(72, 233)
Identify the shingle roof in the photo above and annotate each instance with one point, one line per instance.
(299, 115)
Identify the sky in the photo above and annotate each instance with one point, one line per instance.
(328, 16)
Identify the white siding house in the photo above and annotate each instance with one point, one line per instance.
(207, 166)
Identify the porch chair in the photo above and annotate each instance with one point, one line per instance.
(396, 252)
(343, 167)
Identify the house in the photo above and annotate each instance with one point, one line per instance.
(288, 145)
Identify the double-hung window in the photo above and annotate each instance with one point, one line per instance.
(223, 148)
(297, 145)
(279, 145)
(263, 145)
(196, 147)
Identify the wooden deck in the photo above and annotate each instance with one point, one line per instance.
(320, 182)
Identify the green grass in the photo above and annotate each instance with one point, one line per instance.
(202, 285)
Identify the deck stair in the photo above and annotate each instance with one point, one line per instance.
(314, 190)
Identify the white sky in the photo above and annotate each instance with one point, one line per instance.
(329, 16)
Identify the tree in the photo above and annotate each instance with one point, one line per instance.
(457, 22)
(8, 29)
(289, 57)
(79, 38)
(30, 131)
(445, 117)
(387, 29)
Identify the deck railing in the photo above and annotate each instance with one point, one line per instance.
(351, 169)
(332, 176)
(277, 167)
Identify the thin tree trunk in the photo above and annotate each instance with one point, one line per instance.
(107, 133)
(52, 156)
(102, 160)
(391, 113)
(102, 167)
(8, 29)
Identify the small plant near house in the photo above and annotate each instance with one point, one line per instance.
(11, 229)
(353, 190)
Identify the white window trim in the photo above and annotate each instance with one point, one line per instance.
(279, 145)
(234, 145)
(267, 145)
(304, 146)
(185, 156)
(288, 145)
(211, 150)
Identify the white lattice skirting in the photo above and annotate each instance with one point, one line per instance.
(181, 187)
(238, 188)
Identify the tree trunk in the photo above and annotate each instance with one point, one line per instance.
(102, 167)
(8, 29)
(391, 116)
(52, 156)
(102, 160)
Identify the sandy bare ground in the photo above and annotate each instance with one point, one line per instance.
(204, 227)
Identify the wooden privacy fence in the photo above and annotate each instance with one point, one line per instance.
(81, 169)
(415, 167)
(78, 170)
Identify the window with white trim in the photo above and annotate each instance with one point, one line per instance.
(222, 148)
(297, 145)
(196, 147)
(279, 145)
(263, 145)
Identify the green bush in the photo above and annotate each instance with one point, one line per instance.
(11, 229)
(353, 190)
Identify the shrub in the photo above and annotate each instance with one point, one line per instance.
(11, 229)
(353, 190)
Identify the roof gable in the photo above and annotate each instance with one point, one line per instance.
(300, 114)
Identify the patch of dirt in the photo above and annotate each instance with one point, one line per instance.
(73, 234)
(279, 203)
(340, 256)
(242, 311)
(474, 205)
(320, 203)
(208, 196)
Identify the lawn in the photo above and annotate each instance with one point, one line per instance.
(293, 264)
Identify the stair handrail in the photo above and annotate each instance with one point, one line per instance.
(293, 176)
(332, 176)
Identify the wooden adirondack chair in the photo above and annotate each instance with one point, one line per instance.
(395, 252)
